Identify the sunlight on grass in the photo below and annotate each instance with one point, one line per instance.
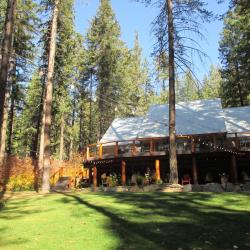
(126, 221)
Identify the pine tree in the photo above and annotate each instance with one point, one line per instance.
(234, 53)
(48, 98)
(6, 52)
(188, 91)
(172, 28)
(212, 84)
(104, 43)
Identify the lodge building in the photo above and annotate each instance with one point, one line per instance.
(210, 140)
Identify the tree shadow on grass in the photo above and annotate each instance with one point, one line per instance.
(171, 221)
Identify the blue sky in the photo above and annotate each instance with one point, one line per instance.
(134, 16)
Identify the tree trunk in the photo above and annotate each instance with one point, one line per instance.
(81, 130)
(11, 123)
(172, 133)
(72, 126)
(3, 132)
(38, 124)
(41, 147)
(90, 108)
(6, 52)
(61, 148)
(48, 100)
(238, 84)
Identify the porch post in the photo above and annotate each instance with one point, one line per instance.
(234, 171)
(194, 169)
(123, 173)
(116, 149)
(95, 176)
(100, 151)
(157, 170)
(194, 163)
(215, 142)
(87, 153)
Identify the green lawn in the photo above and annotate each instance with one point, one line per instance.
(126, 221)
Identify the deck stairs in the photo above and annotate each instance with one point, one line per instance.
(63, 183)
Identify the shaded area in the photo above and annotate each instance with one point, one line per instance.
(172, 221)
(126, 221)
(5, 176)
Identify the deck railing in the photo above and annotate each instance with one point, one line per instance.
(157, 146)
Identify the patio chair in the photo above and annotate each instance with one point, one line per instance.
(245, 177)
(185, 179)
(104, 180)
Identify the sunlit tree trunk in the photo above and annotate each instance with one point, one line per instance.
(172, 131)
(41, 147)
(7, 45)
(48, 100)
(61, 147)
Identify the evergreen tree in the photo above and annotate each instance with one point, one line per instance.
(235, 53)
(212, 84)
(188, 91)
(104, 44)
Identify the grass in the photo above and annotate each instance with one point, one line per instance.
(126, 221)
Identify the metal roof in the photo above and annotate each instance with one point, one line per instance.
(196, 117)
(237, 119)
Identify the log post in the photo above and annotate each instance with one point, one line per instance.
(194, 163)
(234, 171)
(116, 149)
(123, 173)
(194, 169)
(100, 151)
(237, 142)
(87, 153)
(133, 149)
(151, 148)
(192, 145)
(157, 170)
(215, 142)
(95, 176)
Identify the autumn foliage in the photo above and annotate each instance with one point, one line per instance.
(19, 173)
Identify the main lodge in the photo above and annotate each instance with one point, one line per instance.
(210, 141)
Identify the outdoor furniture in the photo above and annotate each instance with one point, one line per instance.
(185, 179)
(208, 178)
(245, 176)
(104, 180)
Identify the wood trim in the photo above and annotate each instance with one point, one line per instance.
(157, 170)
(123, 173)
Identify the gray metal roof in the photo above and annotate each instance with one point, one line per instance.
(237, 119)
(196, 117)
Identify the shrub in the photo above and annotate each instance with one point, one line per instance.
(139, 180)
(21, 183)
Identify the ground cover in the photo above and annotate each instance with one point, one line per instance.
(126, 221)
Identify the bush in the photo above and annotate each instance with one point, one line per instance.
(21, 183)
(139, 180)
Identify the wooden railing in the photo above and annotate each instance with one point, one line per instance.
(156, 146)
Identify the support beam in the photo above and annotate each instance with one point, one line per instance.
(215, 142)
(87, 153)
(100, 151)
(151, 147)
(192, 145)
(123, 173)
(95, 176)
(116, 149)
(237, 142)
(234, 171)
(157, 170)
(194, 169)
